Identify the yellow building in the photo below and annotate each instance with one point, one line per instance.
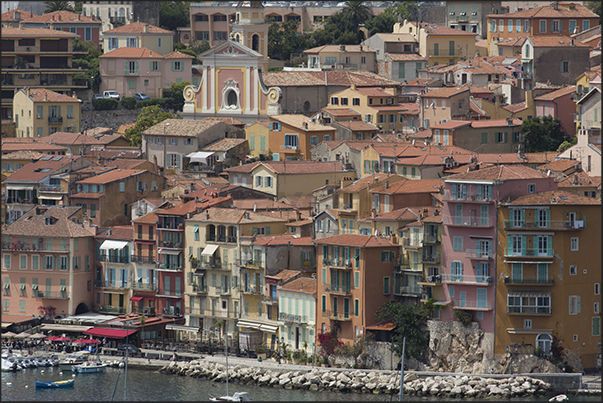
(39, 112)
(139, 35)
(258, 137)
(548, 286)
(213, 245)
(438, 44)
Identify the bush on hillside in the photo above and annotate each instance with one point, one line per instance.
(129, 103)
(105, 104)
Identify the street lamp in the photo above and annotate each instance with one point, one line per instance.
(279, 351)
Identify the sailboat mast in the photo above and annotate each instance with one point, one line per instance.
(226, 343)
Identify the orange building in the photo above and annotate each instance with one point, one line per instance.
(293, 136)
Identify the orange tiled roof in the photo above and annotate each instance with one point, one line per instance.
(137, 28)
(132, 53)
(493, 123)
(64, 16)
(549, 11)
(34, 225)
(570, 89)
(357, 125)
(581, 179)
(443, 92)
(340, 111)
(181, 127)
(178, 55)
(405, 57)
(554, 197)
(559, 165)
(555, 41)
(362, 241)
(111, 176)
(24, 155)
(26, 32)
(303, 284)
(282, 239)
(298, 120)
(37, 170)
(68, 138)
(411, 186)
(37, 94)
(224, 144)
(233, 215)
(500, 172)
(362, 183)
(10, 15)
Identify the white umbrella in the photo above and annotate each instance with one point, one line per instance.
(38, 336)
(9, 334)
(23, 335)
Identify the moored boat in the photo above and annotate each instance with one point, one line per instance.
(8, 366)
(237, 397)
(66, 383)
(89, 367)
(75, 359)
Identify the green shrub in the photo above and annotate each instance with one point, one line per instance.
(128, 103)
(465, 317)
(105, 104)
(163, 102)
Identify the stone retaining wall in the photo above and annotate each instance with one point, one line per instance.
(365, 381)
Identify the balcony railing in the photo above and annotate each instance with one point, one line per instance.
(478, 254)
(466, 279)
(269, 299)
(427, 238)
(173, 245)
(143, 286)
(250, 263)
(432, 278)
(444, 52)
(551, 224)
(224, 290)
(117, 20)
(289, 318)
(529, 252)
(408, 289)
(169, 267)
(469, 221)
(114, 259)
(142, 259)
(340, 263)
(432, 258)
(112, 284)
(337, 315)
(221, 238)
(411, 243)
(111, 309)
(471, 304)
(51, 188)
(530, 281)
(169, 293)
(542, 310)
(52, 295)
(18, 246)
(200, 288)
(146, 310)
(470, 196)
(55, 119)
(214, 265)
(338, 289)
(251, 290)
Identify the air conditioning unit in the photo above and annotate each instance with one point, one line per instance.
(424, 296)
(390, 101)
(28, 49)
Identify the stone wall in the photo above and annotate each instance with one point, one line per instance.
(112, 119)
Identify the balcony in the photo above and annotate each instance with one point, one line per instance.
(431, 258)
(200, 289)
(251, 263)
(26, 247)
(52, 295)
(114, 259)
(56, 119)
(288, 318)
(478, 254)
(337, 315)
(168, 267)
(431, 238)
(411, 243)
(169, 244)
(216, 265)
(51, 188)
(128, 72)
(224, 290)
(162, 292)
(117, 20)
(112, 284)
(249, 290)
(470, 197)
(535, 310)
(269, 300)
(467, 279)
(117, 310)
(222, 238)
(137, 285)
(338, 263)
(471, 305)
(444, 53)
(529, 252)
(433, 279)
(408, 289)
(338, 289)
(530, 281)
(142, 259)
(546, 225)
(467, 221)
(289, 147)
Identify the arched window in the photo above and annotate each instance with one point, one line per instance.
(544, 341)
(306, 106)
(122, 12)
(255, 42)
(221, 233)
(232, 234)
(211, 233)
(232, 98)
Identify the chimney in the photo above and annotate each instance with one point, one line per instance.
(207, 214)
(73, 95)
(305, 125)
(45, 96)
(387, 183)
(145, 29)
(28, 91)
(394, 238)
(21, 25)
(155, 169)
(342, 48)
(373, 213)
(17, 16)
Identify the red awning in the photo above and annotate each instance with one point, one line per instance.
(110, 333)
(135, 299)
(150, 298)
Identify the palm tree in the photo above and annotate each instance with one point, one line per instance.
(357, 13)
(52, 6)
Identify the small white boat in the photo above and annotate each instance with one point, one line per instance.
(237, 397)
(75, 359)
(89, 367)
(558, 398)
(8, 366)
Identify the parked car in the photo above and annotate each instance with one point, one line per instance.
(98, 96)
(132, 349)
(111, 94)
(141, 96)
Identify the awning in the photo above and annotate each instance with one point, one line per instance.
(200, 156)
(182, 328)
(19, 187)
(249, 325)
(110, 333)
(528, 293)
(135, 299)
(268, 328)
(113, 244)
(528, 262)
(442, 302)
(480, 237)
(50, 197)
(209, 250)
(169, 251)
(6, 324)
(65, 328)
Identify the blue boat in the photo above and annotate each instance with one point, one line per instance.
(67, 383)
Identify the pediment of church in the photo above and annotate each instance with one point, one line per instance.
(230, 48)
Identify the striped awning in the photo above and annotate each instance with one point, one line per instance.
(528, 293)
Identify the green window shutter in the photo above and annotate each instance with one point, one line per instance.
(550, 244)
(126, 68)
(159, 65)
(178, 80)
(262, 143)
(578, 304)
(324, 275)
(355, 307)
(506, 137)
(523, 218)
(267, 230)
(173, 66)
(136, 67)
(150, 66)
(548, 218)
(357, 279)
(252, 143)
(509, 244)
(357, 257)
(484, 138)
(404, 171)
(255, 230)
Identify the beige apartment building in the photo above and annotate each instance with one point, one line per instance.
(139, 35)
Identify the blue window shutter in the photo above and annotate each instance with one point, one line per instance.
(267, 230)
(136, 67)
(159, 65)
(255, 230)
(523, 244)
(578, 304)
(523, 218)
(561, 67)
(127, 68)
(150, 66)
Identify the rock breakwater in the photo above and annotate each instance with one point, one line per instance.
(361, 381)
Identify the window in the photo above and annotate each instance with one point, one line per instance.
(585, 25)
(6, 261)
(334, 101)
(531, 188)
(596, 307)
(268, 181)
(177, 66)
(122, 187)
(456, 271)
(501, 25)
(510, 24)
(155, 66)
(258, 181)
(574, 304)
(573, 270)
(493, 26)
(313, 140)
(220, 35)
(202, 35)
(574, 244)
(356, 101)
(112, 43)
(276, 126)
(597, 288)
(88, 34)
(542, 26)
(527, 323)
(556, 26)
(291, 141)
(500, 137)
(344, 101)
(596, 321)
(131, 42)
(518, 26)
(385, 285)
(159, 42)
(544, 342)
(563, 67)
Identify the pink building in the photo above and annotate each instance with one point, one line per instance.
(87, 28)
(469, 239)
(47, 261)
(559, 104)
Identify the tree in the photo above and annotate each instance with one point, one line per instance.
(595, 7)
(79, 5)
(358, 14)
(199, 47)
(174, 14)
(337, 30)
(382, 23)
(150, 116)
(189, 52)
(567, 144)
(284, 39)
(178, 46)
(410, 321)
(88, 61)
(52, 6)
(175, 93)
(406, 10)
(542, 134)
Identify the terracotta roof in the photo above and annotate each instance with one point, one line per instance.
(559, 165)
(181, 127)
(388, 108)
(132, 53)
(229, 121)
(579, 179)
(570, 89)
(261, 204)
(555, 41)
(362, 241)
(297, 121)
(405, 57)
(496, 159)
(111, 176)
(433, 29)
(493, 123)
(37, 94)
(303, 285)
(122, 232)
(150, 218)
(126, 163)
(233, 216)
(37, 170)
(285, 275)
(10, 15)
(293, 167)
(63, 16)
(10, 147)
(554, 197)
(330, 77)
(282, 239)
(137, 28)
(549, 11)
(24, 155)
(67, 138)
(337, 49)
(45, 32)
(364, 182)
(224, 144)
(340, 111)
(299, 223)
(516, 107)
(513, 42)
(34, 225)
(411, 186)
(357, 125)
(374, 92)
(540, 158)
(108, 154)
(178, 55)
(500, 172)
(403, 214)
(452, 124)
(443, 92)
(192, 206)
